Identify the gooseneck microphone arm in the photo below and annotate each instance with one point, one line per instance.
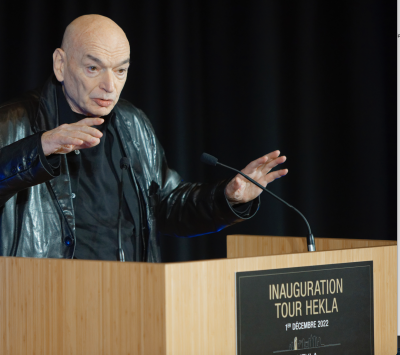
(124, 165)
(209, 159)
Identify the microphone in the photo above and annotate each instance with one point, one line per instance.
(124, 165)
(210, 160)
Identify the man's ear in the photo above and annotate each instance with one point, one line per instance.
(59, 58)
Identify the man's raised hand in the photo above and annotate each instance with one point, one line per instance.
(241, 190)
(69, 137)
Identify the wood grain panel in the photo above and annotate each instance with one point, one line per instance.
(83, 307)
(239, 246)
(200, 322)
(78, 307)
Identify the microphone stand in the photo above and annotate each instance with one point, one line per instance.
(209, 159)
(124, 164)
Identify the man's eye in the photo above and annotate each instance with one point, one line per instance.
(92, 68)
(121, 71)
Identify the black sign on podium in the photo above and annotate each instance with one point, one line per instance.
(316, 310)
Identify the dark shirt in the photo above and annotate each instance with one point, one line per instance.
(95, 176)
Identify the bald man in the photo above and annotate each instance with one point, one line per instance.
(59, 164)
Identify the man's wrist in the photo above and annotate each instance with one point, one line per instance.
(244, 210)
(51, 162)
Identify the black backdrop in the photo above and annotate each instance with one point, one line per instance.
(315, 79)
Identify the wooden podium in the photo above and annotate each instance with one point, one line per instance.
(50, 306)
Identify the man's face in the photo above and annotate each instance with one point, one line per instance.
(94, 74)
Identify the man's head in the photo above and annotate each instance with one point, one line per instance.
(92, 64)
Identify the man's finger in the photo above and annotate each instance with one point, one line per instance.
(263, 160)
(273, 163)
(66, 140)
(83, 137)
(75, 138)
(85, 129)
(90, 121)
(85, 145)
(275, 175)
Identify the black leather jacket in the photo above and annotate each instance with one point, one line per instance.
(36, 209)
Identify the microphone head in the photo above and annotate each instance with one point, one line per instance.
(124, 163)
(209, 159)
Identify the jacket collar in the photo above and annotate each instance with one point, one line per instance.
(47, 115)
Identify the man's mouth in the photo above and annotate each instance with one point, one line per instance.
(103, 103)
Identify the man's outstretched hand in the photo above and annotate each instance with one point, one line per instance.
(69, 137)
(241, 190)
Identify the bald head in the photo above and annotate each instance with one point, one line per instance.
(92, 64)
(92, 28)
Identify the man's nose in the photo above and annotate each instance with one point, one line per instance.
(107, 82)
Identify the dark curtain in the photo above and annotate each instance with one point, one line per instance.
(314, 79)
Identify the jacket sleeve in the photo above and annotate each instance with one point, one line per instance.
(192, 209)
(23, 164)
